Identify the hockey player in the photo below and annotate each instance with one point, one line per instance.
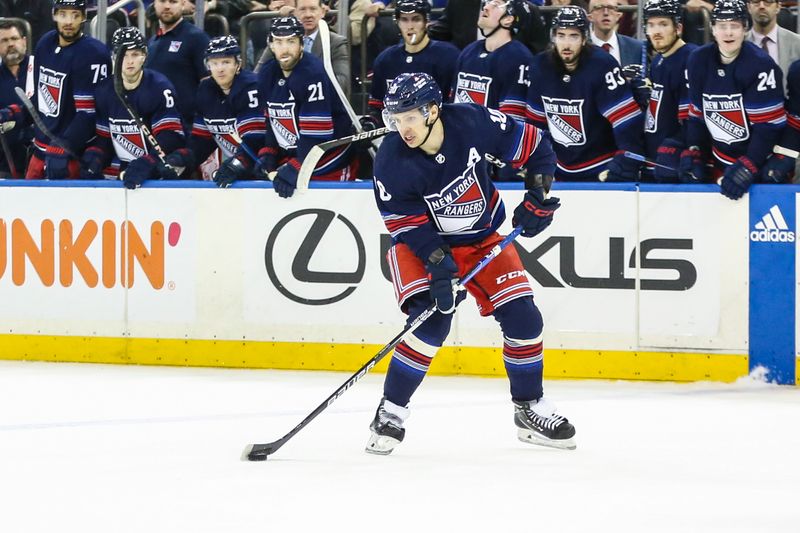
(302, 110)
(120, 148)
(581, 96)
(442, 210)
(495, 71)
(736, 108)
(229, 114)
(668, 105)
(68, 66)
(782, 163)
(417, 53)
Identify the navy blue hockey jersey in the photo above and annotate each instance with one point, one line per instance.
(225, 120)
(119, 136)
(304, 110)
(590, 112)
(437, 59)
(497, 79)
(736, 109)
(450, 197)
(791, 136)
(65, 80)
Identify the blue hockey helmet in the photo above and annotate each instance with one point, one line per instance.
(731, 10)
(409, 91)
(412, 6)
(225, 46)
(571, 17)
(128, 38)
(80, 5)
(519, 9)
(286, 27)
(670, 9)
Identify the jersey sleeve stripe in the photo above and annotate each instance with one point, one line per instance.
(397, 224)
(627, 110)
(773, 114)
(168, 124)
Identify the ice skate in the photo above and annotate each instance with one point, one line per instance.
(386, 428)
(539, 424)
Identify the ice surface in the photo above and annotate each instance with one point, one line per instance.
(113, 449)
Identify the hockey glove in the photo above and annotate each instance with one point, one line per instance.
(56, 163)
(535, 212)
(668, 159)
(623, 168)
(442, 272)
(692, 166)
(8, 116)
(369, 123)
(737, 178)
(140, 169)
(180, 160)
(231, 170)
(285, 181)
(267, 162)
(778, 169)
(92, 163)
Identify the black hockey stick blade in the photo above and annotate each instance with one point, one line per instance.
(315, 154)
(37, 119)
(260, 452)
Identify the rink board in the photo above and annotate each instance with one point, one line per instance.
(194, 275)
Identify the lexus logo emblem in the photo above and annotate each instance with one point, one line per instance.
(331, 240)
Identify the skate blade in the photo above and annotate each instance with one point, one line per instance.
(531, 437)
(380, 445)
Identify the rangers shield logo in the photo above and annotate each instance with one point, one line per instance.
(653, 106)
(284, 125)
(565, 120)
(49, 89)
(725, 117)
(224, 132)
(127, 139)
(472, 89)
(459, 205)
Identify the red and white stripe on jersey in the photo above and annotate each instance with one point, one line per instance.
(406, 280)
(722, 157)
(536, 115)
(683, 110)
(199, 129)
(251, 125)
(514, 108)
(84, 103)
(623, 111)
(772, 114)
(526, 144)
(522, 352)
(397, 224)
(320, 126)
(510, 292)
(586, 165)
(168, 124)
(415, 353)
(793, 121)
(694, 111)
(102, 130)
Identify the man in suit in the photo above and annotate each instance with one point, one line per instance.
(309, 13)
(604, 16)
(39, 13)
(782, 45)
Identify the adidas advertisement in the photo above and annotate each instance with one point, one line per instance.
(772, 228)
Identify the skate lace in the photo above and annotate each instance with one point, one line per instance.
(551, 422)
(388, 419)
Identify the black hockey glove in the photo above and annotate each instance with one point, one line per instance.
(181, 160)
(692, 166)
(140, 169)
(442, 271)
(285, 181)
(232, 169)
(778, 169)
(267, 162)
(56, 163)
(535, 212)
(623, 168)
(92, 163)
(668, 156)
(737, 178)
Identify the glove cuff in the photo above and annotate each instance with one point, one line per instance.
(748, 164)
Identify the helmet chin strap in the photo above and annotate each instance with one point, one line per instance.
(430, 128)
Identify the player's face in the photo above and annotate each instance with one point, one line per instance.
(287, 50)
(68, 23)
(133, 63)
(412, 125)
(764, 12)
(412, 27)
(662, 33)
(168, 12)
(223, 70)
(309, 12)
(604, 14)
(568, 43)
(12, 46)
(729, 35)
(492, 12)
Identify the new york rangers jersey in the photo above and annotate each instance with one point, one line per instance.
(668, 108)
(589, 112)
(497, 79)
(791, 135)
(437, 59)
(304, 110)
(65, 79)
(117, 131)
(735, 109)
(223, 120)
(450, 197)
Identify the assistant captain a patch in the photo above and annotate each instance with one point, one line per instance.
(472, 89)
(725, 117)
(459, 206)
(565, 120)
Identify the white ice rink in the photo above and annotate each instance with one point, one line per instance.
(112, 449)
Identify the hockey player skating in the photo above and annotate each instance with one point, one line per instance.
(443, 211)
(736, 112)
(68, 67)
(229, 115)
(302, 110)
(581, 96)
(120, 148)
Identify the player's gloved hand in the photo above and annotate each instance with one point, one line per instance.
(232, 169)
(640, 86)
(779, 168)
(56, 163)
(267, 162)
(442, 271)
(737, 178)
(623, 168)
(692, 166)
(285, 181)
(181, 160)
(535, 212)
(92, 163)
(8, 115)
(369, 123)
(140, 169)
(668, 156)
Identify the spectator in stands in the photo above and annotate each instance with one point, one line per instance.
(14, 56)
(604, 16)
(38, 13)
(782, 45)
(176, 51)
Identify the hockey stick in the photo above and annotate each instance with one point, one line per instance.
(642, 159)
(37, 120)
(260, 452)
(315, 154)
(7, 152)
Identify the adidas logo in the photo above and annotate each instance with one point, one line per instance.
(772, 228)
